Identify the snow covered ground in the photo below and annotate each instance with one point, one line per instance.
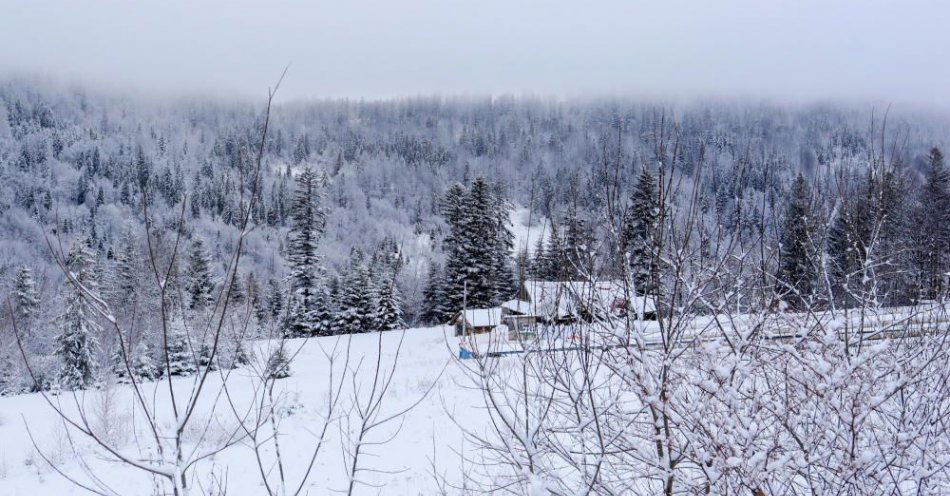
(405, 462)
(423, 442)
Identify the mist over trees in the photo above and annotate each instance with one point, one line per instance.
(374, 214)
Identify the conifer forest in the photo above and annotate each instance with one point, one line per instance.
(470, 292)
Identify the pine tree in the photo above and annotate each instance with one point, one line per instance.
(847, 249)
(322, 312)
(275, 300)
(639, 234)
(552, 258)
(126, 263)
(181, 360)
(25, 297)
(357, 308)
(433, 297)
(933, 220)
(388, 310)
(536, 267)
(478, 225)
(255, 298)
(77, 344)
(140, 362)
(797, 273)
(306, 271)
(576, 246)
(200, 285)
(504, 283)
(454, 246)
(236, 295)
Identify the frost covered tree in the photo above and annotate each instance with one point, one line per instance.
(127, 262)
(25, 296)
(308, 222)
(77, 343)
(932, 220)
(181, 359)
(141, 363)
(478, 269)
(200, 284)
(797, 275)
(389, 307)
(479, 249)
(454, 275)
(639, 234)
(275, 300)
(504, 283)
(357, 307)
(435, 309)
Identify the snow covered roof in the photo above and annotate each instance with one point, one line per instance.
(482, 317)
(560, 299)
(518, 306)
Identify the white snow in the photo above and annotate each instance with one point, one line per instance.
(528, 227)
(404, 463)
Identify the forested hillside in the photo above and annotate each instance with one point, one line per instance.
(79, 164)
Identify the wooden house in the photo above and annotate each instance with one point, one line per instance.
(476, 321)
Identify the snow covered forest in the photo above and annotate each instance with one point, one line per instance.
(226, 276)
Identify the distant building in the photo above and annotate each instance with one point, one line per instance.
(562, 302)
(553, 302)
(476, 321)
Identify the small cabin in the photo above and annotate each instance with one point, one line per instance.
(522, 323)
(476, 321)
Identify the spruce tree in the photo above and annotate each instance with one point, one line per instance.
(275, 300)
(25, 297)
(933, 222)
(435, 310)
(306, 272)
(479, 224)
(639, 234)
(181, 360)
(140, 362)
(454, 247)
(237, 293)
(847, 249)
(77, 344)
(797, 273)
(200, 285)
(504, 283)
(552, 258)
(536, 267)
(388, 310)
(576, 247)
(357, 309)
(126, 263)
(256, 299)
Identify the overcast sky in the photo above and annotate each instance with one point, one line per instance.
(801, 49)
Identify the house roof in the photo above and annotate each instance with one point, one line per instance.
(481, 317)
(519, 306)
(558, 299)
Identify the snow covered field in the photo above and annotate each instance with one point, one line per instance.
(421, 451)
(404, 463)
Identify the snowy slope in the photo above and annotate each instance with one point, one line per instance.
(405, 460)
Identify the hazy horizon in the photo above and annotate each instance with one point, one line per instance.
(737, 49)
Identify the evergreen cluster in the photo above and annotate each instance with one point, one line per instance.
(478, 270)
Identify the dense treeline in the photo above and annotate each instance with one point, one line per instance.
(367, 209)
